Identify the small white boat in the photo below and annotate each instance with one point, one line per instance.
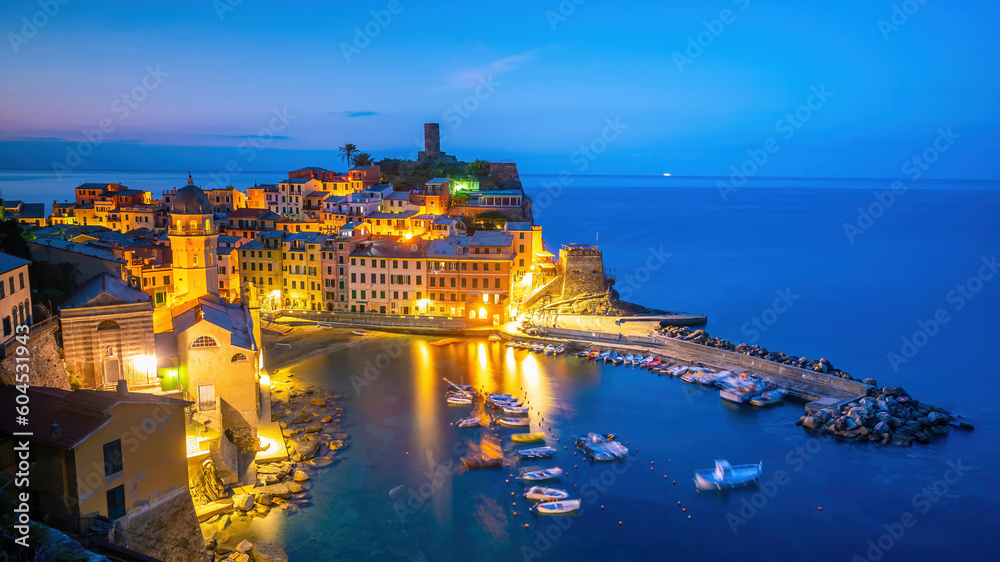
(726, 476)
(629, 358)
(470, 422)
(495, 337)
(506, 403)
(514, 422)
(459, 399)
(515, 409)
(537, 452)
(549, 349)
(637, 360)
(769, 397)
(557, 507)
(619, 359)
(542, 494)
(538, 348)
(510, 343)
(560, 349)
(359, 332)
(536, 475)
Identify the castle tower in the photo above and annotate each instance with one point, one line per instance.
(432, 143)
(193, 242)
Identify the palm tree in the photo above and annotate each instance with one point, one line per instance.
(363, 159)
(346, 152)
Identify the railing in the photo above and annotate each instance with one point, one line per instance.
(377, 320)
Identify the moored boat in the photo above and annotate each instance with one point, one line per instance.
(560, 349)
(459, 400)
(495, 337)
(769, 397)
(514, 422)
(516, 410)
(359, 332)
(537, 452)
(537, 475)
(470, 422)
(528, 437)
(543, 494)
(549, 349)
(725, 475)
(584, 353)
(557, 507)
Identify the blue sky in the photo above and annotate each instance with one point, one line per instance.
(274, 86)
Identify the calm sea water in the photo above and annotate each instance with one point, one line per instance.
(686, 248)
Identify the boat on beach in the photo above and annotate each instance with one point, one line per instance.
(725, 475)
(537, 452)
(543, 494)
(359, 332)
(538, 475)
(528, 437)
(557, 507)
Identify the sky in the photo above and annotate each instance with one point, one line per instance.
(858, 88)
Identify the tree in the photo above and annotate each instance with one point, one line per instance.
(480, 168)
(363, 159)
(346, 152)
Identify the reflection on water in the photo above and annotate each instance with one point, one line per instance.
(403, 440)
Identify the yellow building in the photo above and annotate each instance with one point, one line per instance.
(302, 282)
(259, 262)
(194, 240)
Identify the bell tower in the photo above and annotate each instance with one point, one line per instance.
(194, 242)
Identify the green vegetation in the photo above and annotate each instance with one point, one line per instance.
(478, 168)
(408, 174)
(346, 152)
(363, 159)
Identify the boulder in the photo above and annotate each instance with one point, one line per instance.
(300, 476)
(294, 487)
(937, 418)
(268, 479)
(870, 382)
(267, 552)
(305, 449)
(902, 440)
(243, 502)
(262, 509)
(881, 427)
(263, 499)
(811, 422)
(327, 419)
(318, 402)
(276, 490)
(314, 427)
(244, 546)
(939, 430)
(321, 462)
(965, 425)
(240, 557)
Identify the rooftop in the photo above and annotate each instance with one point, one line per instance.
(112, 289)
(82, 249)
(10, 263)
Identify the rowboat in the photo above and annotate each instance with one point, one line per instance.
(726, 476)
(514, 422)
(542, 494)
(769, 397)
(655, 363)
(494, 337)
(560, 349)
(558, 507)
(506, 403)
(549, 349)
(536, 475)
(637, 360)
(537, 452)
(619, 359)
(584, 353)
(469, 422)
(359, 332)
(515, 409)
(628, 359)
(528, 437)
(498, 395)
(456, 399)
(510, 343)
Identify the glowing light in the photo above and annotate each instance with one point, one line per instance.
(481, 353)
(145, 363)
(172, 373)
(265, 381)
(486, 298)
(275, 294)
(408, 235)
(532, 268)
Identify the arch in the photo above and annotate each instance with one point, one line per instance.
(204, 341)
(108, 325)
(238, 358)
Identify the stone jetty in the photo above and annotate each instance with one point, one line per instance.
(887, 415)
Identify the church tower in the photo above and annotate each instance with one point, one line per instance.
(194, 242)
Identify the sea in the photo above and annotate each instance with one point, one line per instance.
(895, 280)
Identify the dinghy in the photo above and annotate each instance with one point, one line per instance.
(359, 332)
(470, 422)
(558, 507)
(494, 337)
(514, 422)
(549, 349)
(459, 400)
(528, 437)
(542, 494)
(516, 410)
(726, 476)
(619, 359)
(537, 452)
(536, 475)
(560, 349)
(769, 397)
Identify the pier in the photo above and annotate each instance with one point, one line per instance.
(819, 390)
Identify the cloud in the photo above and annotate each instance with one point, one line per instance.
(218, 136)
(359, 113)
(35, 139)
(472, 77)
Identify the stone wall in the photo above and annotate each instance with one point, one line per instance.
(583, 272)
(127, 330)
(167, 530)
(46, 364)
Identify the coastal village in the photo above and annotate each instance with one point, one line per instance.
(155, 425)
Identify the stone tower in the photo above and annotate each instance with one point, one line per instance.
(193, 242)
(432, 142)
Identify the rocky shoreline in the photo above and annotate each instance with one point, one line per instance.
(887, 415)
(312, 426)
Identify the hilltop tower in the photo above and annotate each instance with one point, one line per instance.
(193, 242)
(432, 143)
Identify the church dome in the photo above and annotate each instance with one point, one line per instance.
(191, 200)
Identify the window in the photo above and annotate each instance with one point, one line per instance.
(20, 276)
(113, 457)
(496, 266)
(116, 502)
(238, 358)
(204, 341)
(206, 397)
(108, 325)
(12, 285)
